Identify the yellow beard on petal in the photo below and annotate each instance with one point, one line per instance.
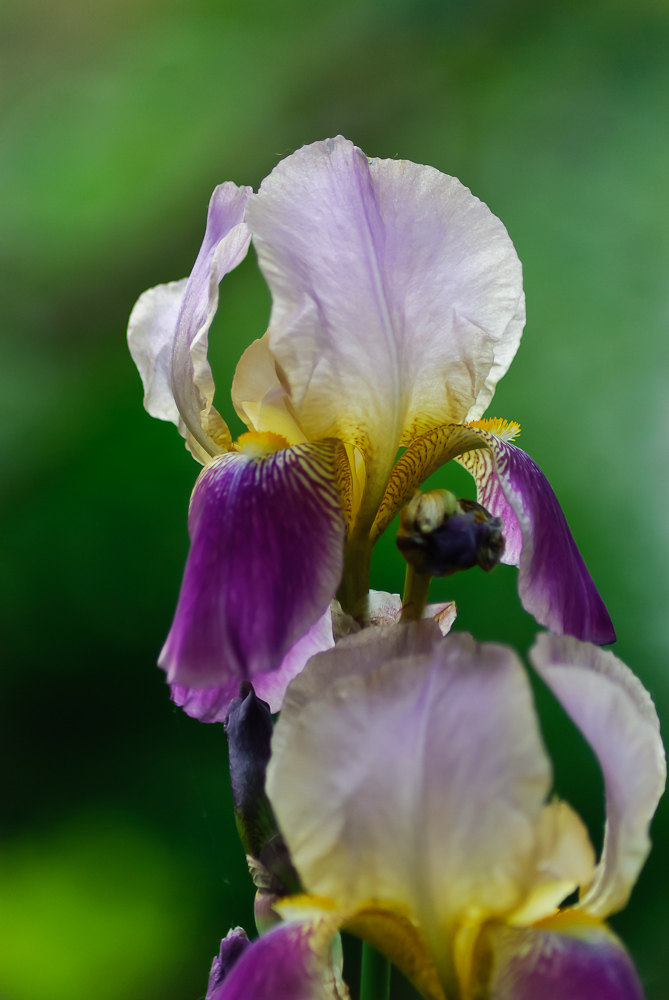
(507, 430)
(257, 444)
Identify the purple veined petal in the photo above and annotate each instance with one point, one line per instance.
(553, 581)
(289, 962)
(580, 962)
(617, 717)
(267, 539)
(225, 245)
(211, 704)
(407, 768)
(233, 946)
(397, 295)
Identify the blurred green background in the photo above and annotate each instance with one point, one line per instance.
(119, 866)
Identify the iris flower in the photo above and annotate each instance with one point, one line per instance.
(397, 305)
(413, 790)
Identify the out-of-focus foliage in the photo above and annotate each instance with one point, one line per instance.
(119, 864)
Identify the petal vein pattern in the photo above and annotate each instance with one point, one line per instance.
(373, 267)
(415, 778)
(267, 539)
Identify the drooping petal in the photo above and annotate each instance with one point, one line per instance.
(210, 704)
(151, 331)
(617, 717)
(225, 245)
(559, 961)
(267, 538)
(407, 768)
(289, 962)
(553, 581)
(397, 296)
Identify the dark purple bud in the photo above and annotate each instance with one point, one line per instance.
(440, 535)
(233, 945)
(248, 728)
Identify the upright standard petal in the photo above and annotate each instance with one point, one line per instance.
(553, 581)
(225, 245)
(617, 717)
(397, 296)
(559, 960)
(267, 537)
(408, 769)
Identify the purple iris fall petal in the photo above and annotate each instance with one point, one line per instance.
(539, 964)
(280, 965)
(267, 538)
(553, 581)
(211, 704)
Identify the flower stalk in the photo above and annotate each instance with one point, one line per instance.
(374, 975)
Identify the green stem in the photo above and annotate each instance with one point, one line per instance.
(416, 588)
(374, 975)
(355, 581)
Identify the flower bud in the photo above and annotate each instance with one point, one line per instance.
(233, 946)
(248, 728)
(440, 535)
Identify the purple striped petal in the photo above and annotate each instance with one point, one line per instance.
(617, 717)
(583, 962)
(267, 538)
(553, 581)
(289, 962)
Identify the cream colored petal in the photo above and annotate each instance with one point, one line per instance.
(565, 861)
(258, 396)
(616, 715)
(408, 768)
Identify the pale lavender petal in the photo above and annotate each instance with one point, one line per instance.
(408, 768)
(289, 962)
(616, 715)
(225, 245)
(584, 962)
(397, 295)
(267, 538)
(553, 581)
(151, 331)
(233, 946)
